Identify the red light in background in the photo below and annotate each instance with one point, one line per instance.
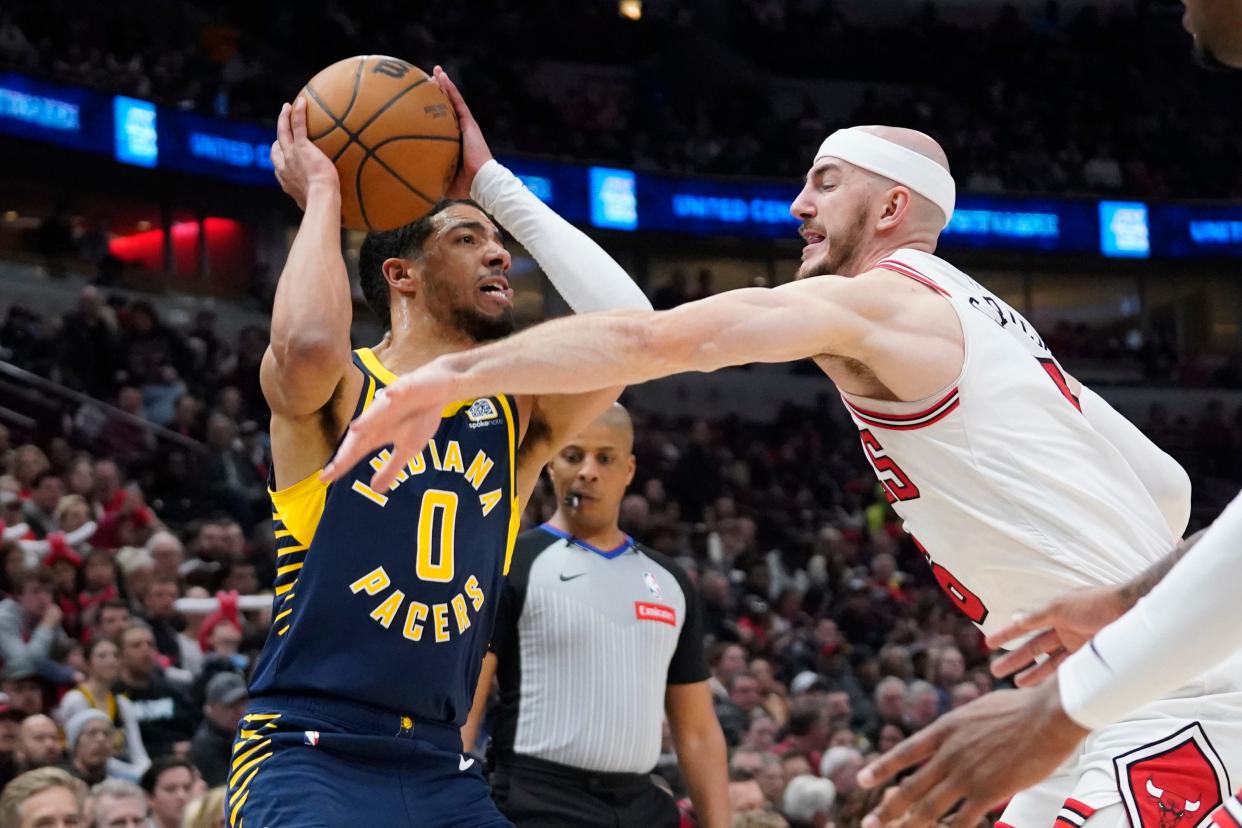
(230, 248)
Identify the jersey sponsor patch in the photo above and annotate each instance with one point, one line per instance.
(645, 611)
(1176, 782)
(482, 410)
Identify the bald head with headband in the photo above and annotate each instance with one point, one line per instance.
(872, 190)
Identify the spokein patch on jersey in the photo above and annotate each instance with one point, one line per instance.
(311, 737)
(652, 583)
(482, 410)
(1176, 782)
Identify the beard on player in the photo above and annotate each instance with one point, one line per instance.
(839, 247)
(466, 305)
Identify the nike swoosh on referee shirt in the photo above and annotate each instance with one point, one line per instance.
(463, 763)
(571, 577)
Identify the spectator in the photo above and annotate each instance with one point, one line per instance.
(30, 628)
(114, 617)
(88, 346)
(770, 776)
(167, 554)
(207, 811)
(745, 795)
(734, 713)
(841, 765)
(38, 743)
(115, 803)
(10, 722)
(760, 733)
(99, 586)
(89, 736)
(137, 571)
(164, 717)
(109, 490)
(80, 480)
(24, 689)
(808, 802)
(40, 510)
(29, 462)
(725, 661)
(159, 612)
(771, 691)
(212, 746)
(922, 705)
(808, 730)
(230, 476)
(890, 705)
(889, 737)
(103, 669)
(949, 671)
(169, 783)
(43, 797)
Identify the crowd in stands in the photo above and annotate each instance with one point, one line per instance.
(1089, 102)
(830, 637)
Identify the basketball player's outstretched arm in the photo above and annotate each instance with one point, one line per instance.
(312, 312)
(986, 751)
(878, 318)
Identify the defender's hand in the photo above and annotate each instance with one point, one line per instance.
(976, 757)
(1066, 624)
(474, 149)
(300, 165)
(405, 415)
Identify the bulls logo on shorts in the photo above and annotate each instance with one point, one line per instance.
(1174, 783)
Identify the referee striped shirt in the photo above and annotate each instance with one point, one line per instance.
(587, 640)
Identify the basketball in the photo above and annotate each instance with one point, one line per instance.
(392, 134)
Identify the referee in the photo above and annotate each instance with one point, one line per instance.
(597, 638)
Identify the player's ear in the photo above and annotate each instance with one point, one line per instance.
(402, 275)
(632, 465)
(894, 207)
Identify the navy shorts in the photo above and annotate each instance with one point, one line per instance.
(320, 763)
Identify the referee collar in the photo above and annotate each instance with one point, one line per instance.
(624, 546)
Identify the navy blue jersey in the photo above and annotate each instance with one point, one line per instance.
(388, 598)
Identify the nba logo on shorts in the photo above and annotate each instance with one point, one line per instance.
(482, 411)
(312, 738)
(1174, 783)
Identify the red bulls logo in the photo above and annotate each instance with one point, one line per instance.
(1174, 783)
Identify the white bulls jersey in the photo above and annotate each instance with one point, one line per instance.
(1003, 483)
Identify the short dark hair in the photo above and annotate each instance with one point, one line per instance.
(151, 776)
(32, 575)
(94, 645)
(41, 476)
(404, 242)
(804, 714)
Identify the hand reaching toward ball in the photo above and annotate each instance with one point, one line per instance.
(474, 150)
(300, 165)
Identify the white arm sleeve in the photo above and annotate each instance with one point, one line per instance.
(587, 278)
(1138, 658)
(1162, 476)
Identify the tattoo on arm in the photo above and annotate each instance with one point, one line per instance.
(1143, 584)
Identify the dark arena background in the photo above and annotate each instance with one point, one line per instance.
(142, 233)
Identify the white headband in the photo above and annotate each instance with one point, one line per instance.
(883, 157)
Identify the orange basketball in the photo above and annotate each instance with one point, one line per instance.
(392, 134)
